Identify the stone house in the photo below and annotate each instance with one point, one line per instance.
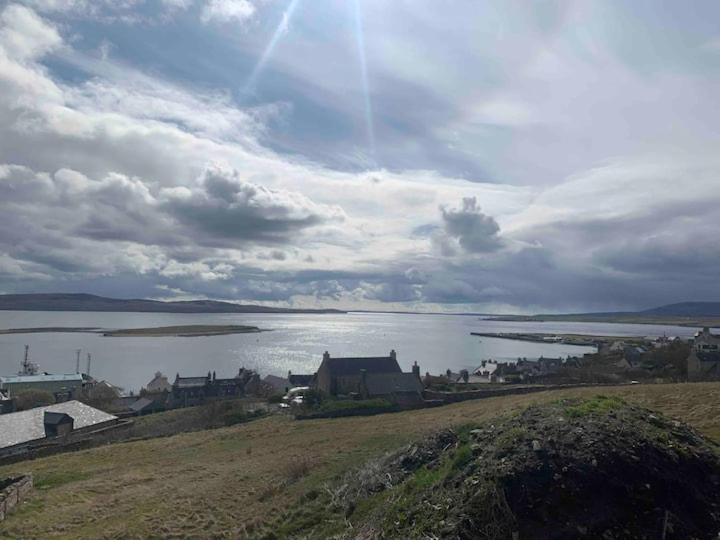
(401, 388)
(295, 379)
(278, 384)
(704, 361)
(368, 377)
(189, 391)
(159, 384)
(342, 376)
(23, 430)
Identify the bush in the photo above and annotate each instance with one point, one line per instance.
(275, 398)
(100, 396)
(313, 397)
(29, 399)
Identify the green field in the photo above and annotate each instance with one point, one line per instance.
(231, 481)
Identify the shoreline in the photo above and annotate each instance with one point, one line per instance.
(580, 340)
(160, 331)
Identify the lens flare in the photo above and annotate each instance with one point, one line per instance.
(359, 36)
(280, 31)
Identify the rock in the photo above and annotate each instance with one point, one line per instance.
(536, 446)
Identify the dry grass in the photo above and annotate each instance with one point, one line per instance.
(232, 481)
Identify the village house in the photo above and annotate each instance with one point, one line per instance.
(159, 384)
(146, 405)
(189, 391)
(368, 377)
(21, 431)
(704, 361)
(298, 380)
(278, 384)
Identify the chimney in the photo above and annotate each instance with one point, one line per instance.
(393, 354)
(326, 356)
(416, 369)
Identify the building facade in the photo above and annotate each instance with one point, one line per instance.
(368, 377)
(63, 387)
(703, 364)
(189, 391)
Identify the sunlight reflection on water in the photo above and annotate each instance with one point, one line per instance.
(295, 343)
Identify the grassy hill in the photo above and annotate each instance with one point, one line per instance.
(245, 479)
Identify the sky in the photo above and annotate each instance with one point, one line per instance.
(438, 155)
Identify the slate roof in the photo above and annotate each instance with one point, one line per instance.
(56, 418)
(140, 404)
(340, 367)
(26, 426)
(190, 382)
(278, 383)
(380, 384)
(300, 380)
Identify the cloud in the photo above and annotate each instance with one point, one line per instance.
(225, 11)
(135, 171)
(474, 231)
(225, 207)
(67, 223)
(25, 36)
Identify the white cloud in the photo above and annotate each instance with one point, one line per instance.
(228, 11)
(112, 183)
(25, 36)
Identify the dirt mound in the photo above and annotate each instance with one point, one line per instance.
(596, 468)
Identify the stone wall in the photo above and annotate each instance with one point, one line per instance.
(13, 491)
(454, 397)
(77, 440)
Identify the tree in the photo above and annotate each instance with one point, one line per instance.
(100, 396)
(29, 399)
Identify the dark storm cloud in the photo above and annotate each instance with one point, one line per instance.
(225, 207)
(474, 231)
(64, 220)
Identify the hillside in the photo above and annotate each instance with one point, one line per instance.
(686, 309)
(572, 468)
(90, 302)
(251, 479)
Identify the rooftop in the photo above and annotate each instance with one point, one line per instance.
(371, 364)
(190, 382)
(17, 379)
(26, 426)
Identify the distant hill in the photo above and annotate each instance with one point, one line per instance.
(686, 309)
(693, 314)
(90, 302)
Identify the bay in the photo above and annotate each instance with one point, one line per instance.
(295, 343)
